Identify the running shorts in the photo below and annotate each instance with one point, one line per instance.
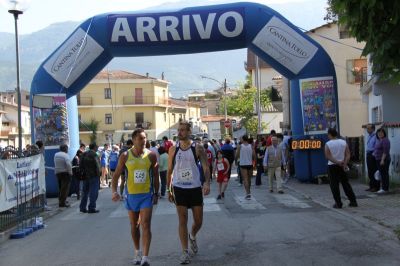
(188, 197)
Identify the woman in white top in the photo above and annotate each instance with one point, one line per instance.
(246, 154)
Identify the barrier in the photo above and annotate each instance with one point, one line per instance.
(22, 191)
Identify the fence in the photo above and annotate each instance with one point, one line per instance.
(29, 200)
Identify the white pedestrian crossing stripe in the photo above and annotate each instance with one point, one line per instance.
(290, 201)
(249, 204)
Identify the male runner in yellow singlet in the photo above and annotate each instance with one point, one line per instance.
(141, 191)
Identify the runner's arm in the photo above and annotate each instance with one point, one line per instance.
(171, 154)
(118, 171)
(227, 169)
(156, 178)
(201, 154)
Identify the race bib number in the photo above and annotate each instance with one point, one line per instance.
(140, 176)
(220, 166)
(185, 175)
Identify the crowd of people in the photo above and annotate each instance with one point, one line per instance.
(141, 172)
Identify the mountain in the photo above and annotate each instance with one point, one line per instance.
(183, 71)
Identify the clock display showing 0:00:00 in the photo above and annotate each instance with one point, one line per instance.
(305, 144)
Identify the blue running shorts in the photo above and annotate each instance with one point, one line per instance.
(137, 202)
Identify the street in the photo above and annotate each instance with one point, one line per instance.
(269, 229)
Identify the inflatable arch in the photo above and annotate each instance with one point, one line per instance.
(313, 86)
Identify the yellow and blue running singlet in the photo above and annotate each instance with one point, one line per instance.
(139, 178)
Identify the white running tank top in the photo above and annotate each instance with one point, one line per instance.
(186, 173)
(337, 148)
(246, 155)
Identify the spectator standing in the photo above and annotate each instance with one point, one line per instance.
(90, 164)
(382, 157)
(63, 170)
(260, 152)
(167, 144)
(273, 160)
(337, 153)
(163, 167)
(113, 160)
(154, 149)
(269, 139)
(372, 166)
(104, 166)
(76, 175)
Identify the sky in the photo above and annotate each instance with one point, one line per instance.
(42, 13)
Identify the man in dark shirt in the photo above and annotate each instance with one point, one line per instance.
(90, 164)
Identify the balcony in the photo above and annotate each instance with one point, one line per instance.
(85, 100)
(4, 133)
(133, 125)
(132, 100)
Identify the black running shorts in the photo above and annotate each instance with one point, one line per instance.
(188, 197)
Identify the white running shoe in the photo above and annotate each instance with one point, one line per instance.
(185, 257)
(193, 245)
(381, 191)
(137, 259)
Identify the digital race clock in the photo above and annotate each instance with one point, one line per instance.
(306, 144)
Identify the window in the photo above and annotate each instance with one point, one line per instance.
(344, 32)
(165, 117)
(108, 119)
(138, 96)
(27, 97)
(356, 71)
(174, 116)
(139, 118)
(377, 114)
(107, 93)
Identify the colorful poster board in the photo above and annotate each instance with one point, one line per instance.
(51, 124)
(318, 104)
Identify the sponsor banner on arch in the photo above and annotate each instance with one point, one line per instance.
(318, 104)
(22, 179)
(73, 58)
(285, 45)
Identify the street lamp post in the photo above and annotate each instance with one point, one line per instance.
(16, 8)
(223, 85)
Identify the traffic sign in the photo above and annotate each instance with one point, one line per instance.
(227, 123)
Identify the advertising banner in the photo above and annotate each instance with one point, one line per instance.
(21, 179)
(318, 104)
(51, 124)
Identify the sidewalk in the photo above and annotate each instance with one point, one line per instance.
(380, 212)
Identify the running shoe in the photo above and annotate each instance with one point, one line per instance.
(223, 194)
(185, 257)
(193, 245)
(219, 197)
(137, 259)
(248, 197)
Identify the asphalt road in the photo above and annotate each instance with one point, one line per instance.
(270, 229)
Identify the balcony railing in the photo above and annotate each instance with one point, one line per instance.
(130, 100)
(85, 101)
(4, 133)
(133, 125)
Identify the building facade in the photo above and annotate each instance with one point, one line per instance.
(350, 68)
(9, 119)
(120, 101)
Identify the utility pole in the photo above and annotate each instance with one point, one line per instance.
(226, 110)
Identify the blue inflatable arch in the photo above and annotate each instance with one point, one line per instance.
(190, 30)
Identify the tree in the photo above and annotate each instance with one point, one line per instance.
(242, 105)
(378, 24)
